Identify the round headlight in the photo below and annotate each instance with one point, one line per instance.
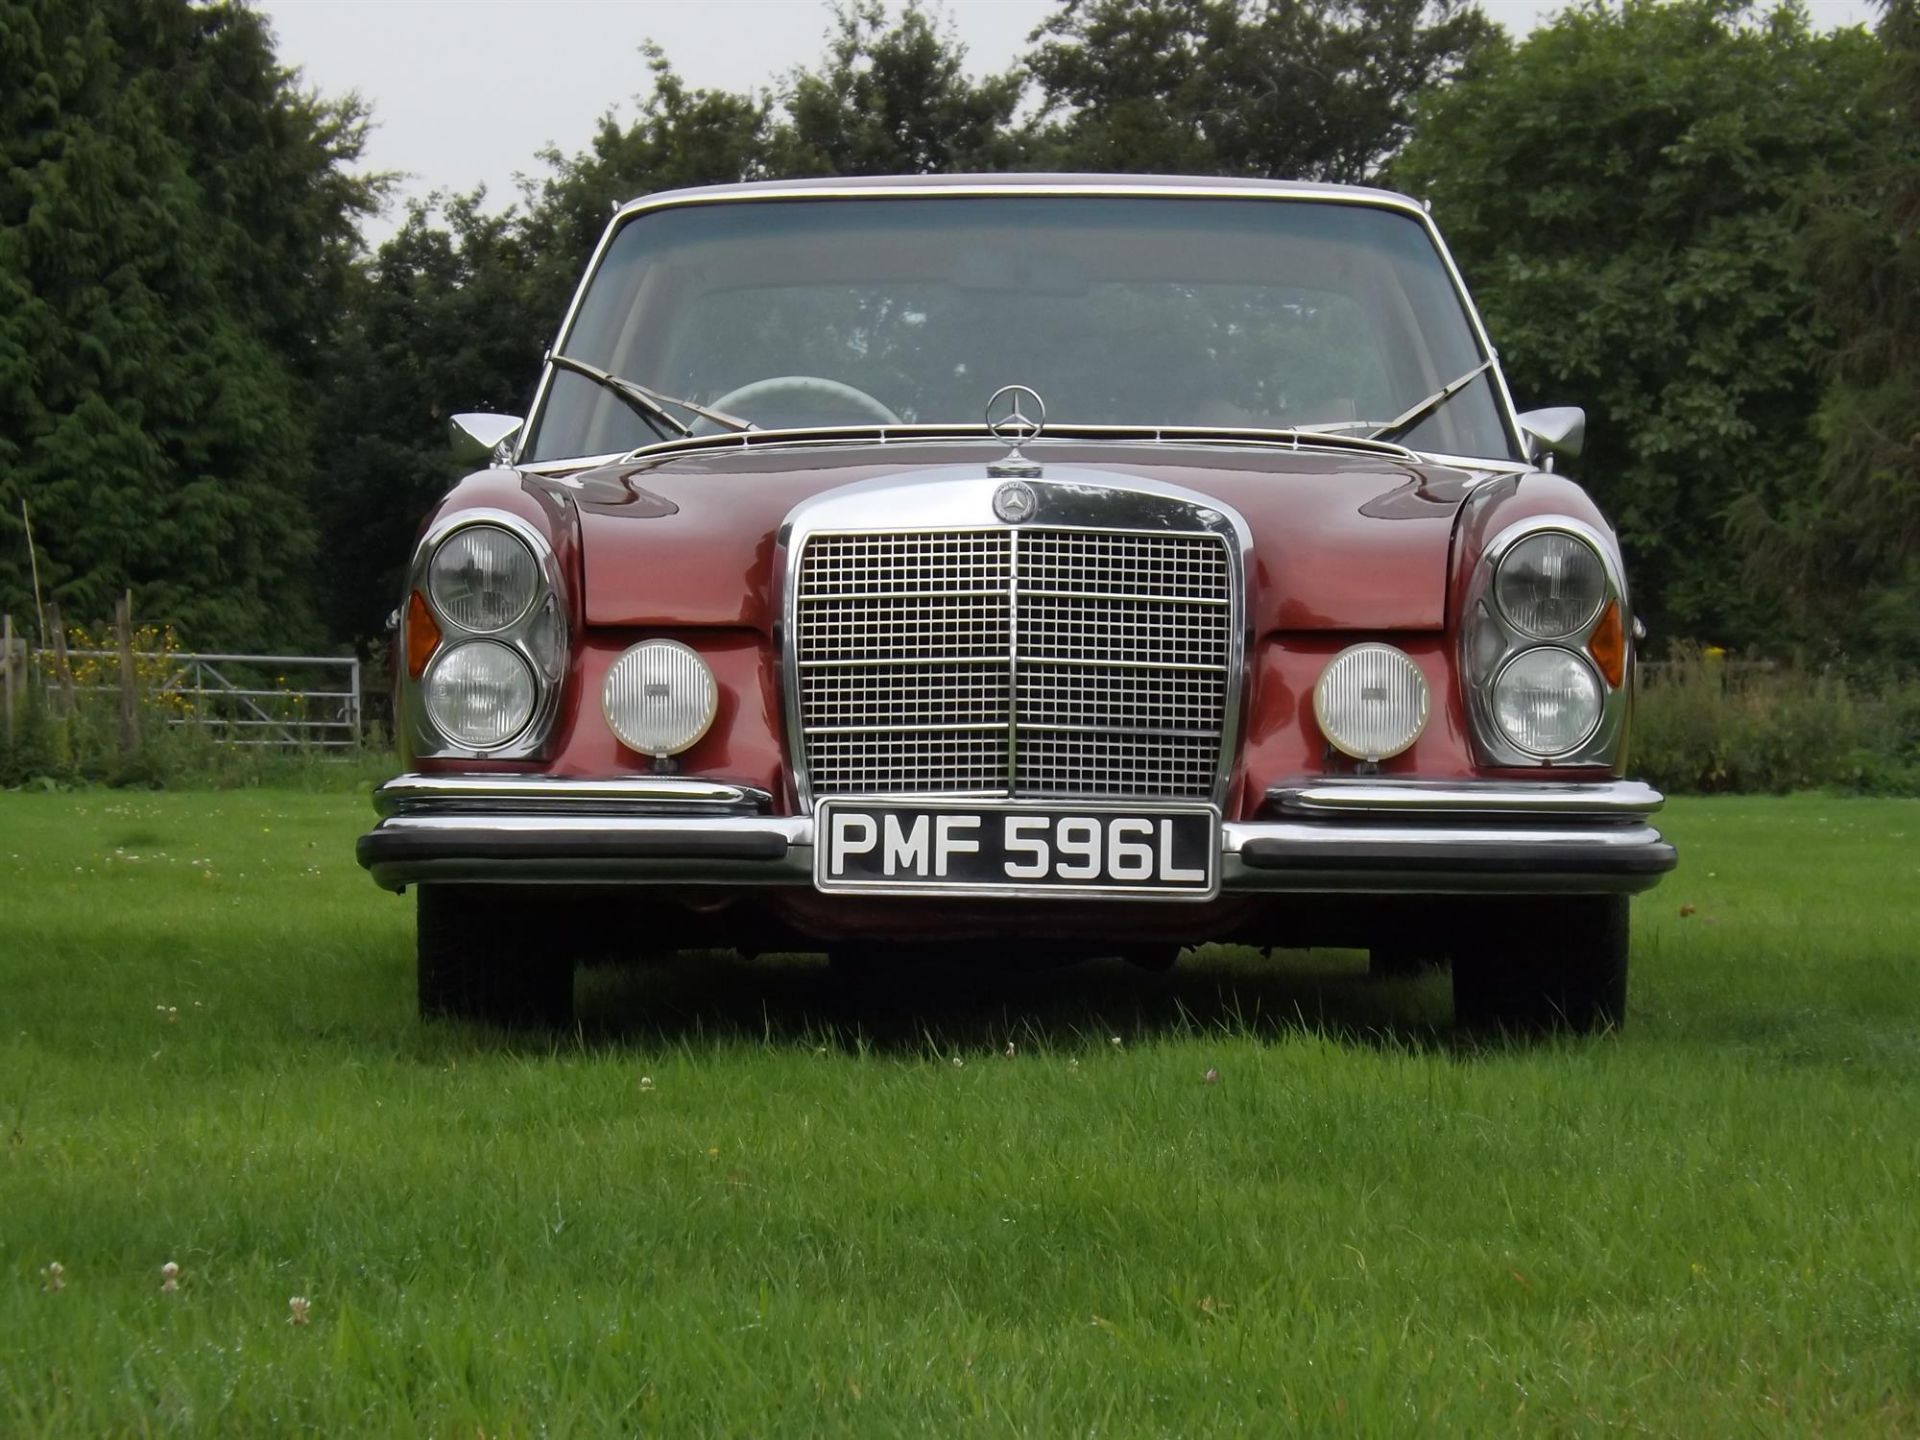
(483, 578)
(1371, 702)
(1551, 585)
(1547, 700)
(659, 697)
(480, 694)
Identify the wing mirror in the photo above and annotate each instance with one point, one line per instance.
(1561, 430)
(476, 439)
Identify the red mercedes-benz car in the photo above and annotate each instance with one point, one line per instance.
(1058, 566)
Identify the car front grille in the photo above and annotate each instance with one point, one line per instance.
(1030, 662)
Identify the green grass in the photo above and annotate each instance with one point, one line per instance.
(813, 1221)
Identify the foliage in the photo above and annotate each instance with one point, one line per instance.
(1622, 189)
(1846, 540)
(1310, 89)
(895, 100)
(446, 318)
(756, 1200)
(1704, 726)
(175, 219)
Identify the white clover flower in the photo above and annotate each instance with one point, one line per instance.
(170, 1280)
(297, 1307)
(54, 1277)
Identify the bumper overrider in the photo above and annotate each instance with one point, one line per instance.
(1348, 836)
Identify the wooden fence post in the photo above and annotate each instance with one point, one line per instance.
(6, 669)
(63, 672)
(123, 636)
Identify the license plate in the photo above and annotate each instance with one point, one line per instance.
(911, 847)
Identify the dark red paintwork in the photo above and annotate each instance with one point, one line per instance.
(1346, 547)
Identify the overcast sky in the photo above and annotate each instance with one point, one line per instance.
(465, 91)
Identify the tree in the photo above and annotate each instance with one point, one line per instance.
(1846, 540)
(449, 317)
(1622, 191)
(1291, 89)
(146, 415)
(895, 99)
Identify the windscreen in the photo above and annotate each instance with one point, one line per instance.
(1146, 311)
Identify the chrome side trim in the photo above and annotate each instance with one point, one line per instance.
(542, 794)
(1618, 799)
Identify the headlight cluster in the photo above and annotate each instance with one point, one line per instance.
(1545, 647)
(486, 641)
(484, 638)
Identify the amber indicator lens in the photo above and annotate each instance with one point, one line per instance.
(423, 635)
(1608, 645)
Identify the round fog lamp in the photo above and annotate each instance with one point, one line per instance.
(1547, 701)
(1371, 702)
(480, 694)
(483, 578)
(659, 697)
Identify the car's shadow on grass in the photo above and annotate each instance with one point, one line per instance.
(801, 1001)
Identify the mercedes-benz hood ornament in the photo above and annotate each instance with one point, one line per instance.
(1015, 415)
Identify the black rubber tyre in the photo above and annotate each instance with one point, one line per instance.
(484, 955)
(1554, 965)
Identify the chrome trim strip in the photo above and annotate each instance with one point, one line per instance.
(589, 849)
(1623, 799)
(532, 794)
(1301, 856)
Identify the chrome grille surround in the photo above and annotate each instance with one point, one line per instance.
(1095, 651)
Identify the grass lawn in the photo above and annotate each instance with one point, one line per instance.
(750, 1201)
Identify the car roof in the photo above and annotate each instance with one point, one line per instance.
(1031, 181)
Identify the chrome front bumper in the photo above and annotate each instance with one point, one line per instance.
(1323, 836)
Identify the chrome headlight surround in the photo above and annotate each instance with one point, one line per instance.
(1489, 640)
(541, 636)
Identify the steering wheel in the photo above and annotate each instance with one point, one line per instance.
(814, 390)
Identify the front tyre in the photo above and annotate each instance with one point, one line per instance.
(1556, 964)
(483, 955)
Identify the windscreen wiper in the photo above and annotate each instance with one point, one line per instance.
(651, 404)
(1404, 422)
